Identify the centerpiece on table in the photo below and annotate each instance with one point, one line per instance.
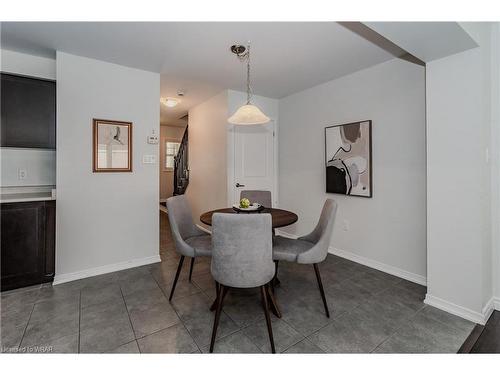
(246, 206)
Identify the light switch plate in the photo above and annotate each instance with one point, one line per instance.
(148, 159)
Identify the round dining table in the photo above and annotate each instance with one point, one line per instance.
(280, 218)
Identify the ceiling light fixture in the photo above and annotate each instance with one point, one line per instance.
(247, 114)
(170, 102)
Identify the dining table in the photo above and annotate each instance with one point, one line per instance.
(279, 217)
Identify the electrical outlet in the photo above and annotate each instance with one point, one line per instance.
(22, 174)
(345, 225)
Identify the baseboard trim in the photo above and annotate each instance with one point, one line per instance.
(463, 312)
(496, 303)
(67, 277)
(488, 309)
(367, 262)
(395, 271)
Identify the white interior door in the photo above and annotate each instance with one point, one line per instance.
(254, 159)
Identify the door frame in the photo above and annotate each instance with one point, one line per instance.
(231, 166)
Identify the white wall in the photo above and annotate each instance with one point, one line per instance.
(105, 221)
(458, 180)
(495, 158)
(39, 164)
(387, 230)
(207, 155)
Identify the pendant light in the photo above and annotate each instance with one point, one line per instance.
(247, 114)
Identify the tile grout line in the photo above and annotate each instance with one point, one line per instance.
(129, 319)
(330, 322)
(242, 330)
(182, 322)
(310, 342)
(126, 343)
(239, 329)
(396, 330)
(227, 315)
(26, 327)
(289, 346)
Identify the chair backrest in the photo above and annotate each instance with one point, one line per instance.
(242, 249)
(181, 223)
(260, 196)
(321, 235)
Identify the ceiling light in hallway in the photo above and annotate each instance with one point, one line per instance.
(170, 102)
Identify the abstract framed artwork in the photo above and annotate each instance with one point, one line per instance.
(348, 154)
(112, 146)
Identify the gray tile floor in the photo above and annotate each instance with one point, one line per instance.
(129, 312)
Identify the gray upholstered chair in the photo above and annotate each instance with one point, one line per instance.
(310, 249)
(190, 241)
(242, 258)
(260, 196)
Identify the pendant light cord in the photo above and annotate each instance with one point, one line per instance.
(248, 74)
(246, 57)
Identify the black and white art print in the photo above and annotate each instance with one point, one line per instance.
(348, 150)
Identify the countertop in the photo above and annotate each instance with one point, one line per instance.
(27, 194)
(25, 197)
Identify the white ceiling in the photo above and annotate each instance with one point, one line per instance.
(194, 56)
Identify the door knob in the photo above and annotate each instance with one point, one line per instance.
(239, 185)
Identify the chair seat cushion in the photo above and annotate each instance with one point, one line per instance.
(202, 245)
(288, 250)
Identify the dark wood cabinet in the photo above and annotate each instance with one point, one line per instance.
(27, 243)
(28, 109)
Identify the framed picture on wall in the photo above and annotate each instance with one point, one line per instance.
(348, 153)
(112, 146)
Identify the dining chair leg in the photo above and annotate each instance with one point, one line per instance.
(217, 294)
(191, 268)
(221, 294)
(179, 268)
(217, 316)
(273, 304)
(276, 281)
(321, 290)
(263, 294)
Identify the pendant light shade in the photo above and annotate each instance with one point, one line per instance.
(248, 114)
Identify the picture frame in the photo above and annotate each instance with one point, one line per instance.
(111, 146)
(348, 159)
